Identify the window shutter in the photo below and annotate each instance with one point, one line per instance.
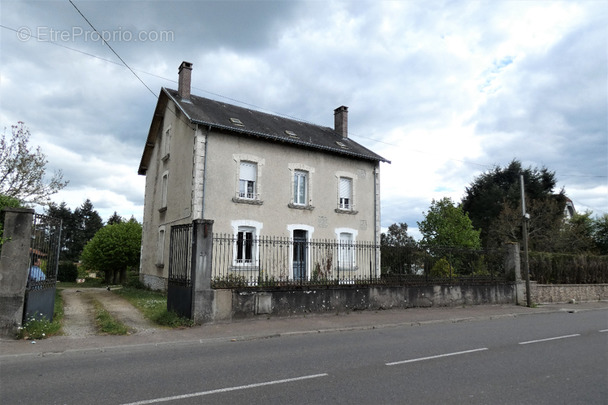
(248, 171)
(345, 187)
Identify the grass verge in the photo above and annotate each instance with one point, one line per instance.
(153, 305)
(106, 323)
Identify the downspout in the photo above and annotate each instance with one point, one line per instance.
(376, 201)
(205, 173)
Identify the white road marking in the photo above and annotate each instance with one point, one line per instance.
(548, 339)
(604, 330)
(218, 391)
(436, 357)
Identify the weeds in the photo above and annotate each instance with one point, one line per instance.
(153, 305)
(39, 327)
(106, 323)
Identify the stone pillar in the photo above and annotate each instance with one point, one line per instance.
(203, 299)
(513, 271)
(14, 264)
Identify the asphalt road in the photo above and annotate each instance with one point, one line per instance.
(556, 358)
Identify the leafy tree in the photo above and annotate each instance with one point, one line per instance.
(499, 189)
(448, 225)
(113, 249)
(22, 170)
(398, 250)
(576, 235)
(600, 234)
(397, 236)
(6, 202)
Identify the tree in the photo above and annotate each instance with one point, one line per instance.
(6, 202)
(23, 170)
(398, 250)
(397, 236)
(448, 225)
(113, 249)
(600, 234)
(115, 219)
(87, 223)
(78, 227)
(576, 235)
(499, 189)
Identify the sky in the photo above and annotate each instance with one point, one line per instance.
(445, 90)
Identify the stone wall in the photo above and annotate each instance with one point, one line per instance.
(561, 293)
(237, 304)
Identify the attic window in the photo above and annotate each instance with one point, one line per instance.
(341, 144)
(291, 133)
(237, 122)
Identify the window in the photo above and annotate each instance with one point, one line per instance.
(346, 193)
(166, 142)
(164, 188)
(346, 251)
(247, 179)
(160, 247)
(246, 246)
(300, 187)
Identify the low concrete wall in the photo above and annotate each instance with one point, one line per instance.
(235, 304)
(560, 293)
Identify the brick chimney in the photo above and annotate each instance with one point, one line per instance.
(341, 121)
(183, 83)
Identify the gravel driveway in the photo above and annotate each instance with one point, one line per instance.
(79, 312)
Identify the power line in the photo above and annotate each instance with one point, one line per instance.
(112, 49)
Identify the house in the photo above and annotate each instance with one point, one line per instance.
(253, 174)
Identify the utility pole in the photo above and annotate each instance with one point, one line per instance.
(524, 220)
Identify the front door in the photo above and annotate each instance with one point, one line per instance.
(300, 250)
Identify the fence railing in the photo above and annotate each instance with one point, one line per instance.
(239, 262)
(278, 261)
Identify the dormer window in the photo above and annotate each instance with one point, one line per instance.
(291, 134)
(237, 122)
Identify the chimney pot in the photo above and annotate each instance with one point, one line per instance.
(341, 121)
(183, 83)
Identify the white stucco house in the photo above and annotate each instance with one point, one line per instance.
(253, 174)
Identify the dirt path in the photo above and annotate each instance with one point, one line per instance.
(79, 312)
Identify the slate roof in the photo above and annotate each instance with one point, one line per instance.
(248, 122)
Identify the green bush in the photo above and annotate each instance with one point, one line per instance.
(67, 272)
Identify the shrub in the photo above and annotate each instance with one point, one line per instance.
(67, 272)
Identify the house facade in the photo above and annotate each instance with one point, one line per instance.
(254, 174)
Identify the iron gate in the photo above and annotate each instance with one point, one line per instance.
(179, 288)
(44, 261)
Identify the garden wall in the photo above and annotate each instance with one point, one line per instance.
(561, 293)
(239, 304)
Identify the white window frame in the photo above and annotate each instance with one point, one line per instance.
(164, 190)
(248, 174)
(160, 247)
(166, 143)
(345, 193)
(346, 239)
(254, 228)
(300, 187)
(256, 187)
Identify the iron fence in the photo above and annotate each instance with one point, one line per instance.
(278, 261)
(180, 255)
(44, 252)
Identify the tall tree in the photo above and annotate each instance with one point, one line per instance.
(113, 249)
(115, 219)
(499, 189)
(446, 224)
(600, 234)
(68, 229)
(88, 222)
(397, 236)
(23, 169)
